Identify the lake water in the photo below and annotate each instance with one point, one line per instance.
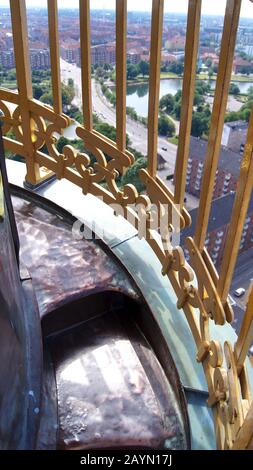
(137, 98)
(137, 95)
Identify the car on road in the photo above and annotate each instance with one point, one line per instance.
(164, 148)
(239, 292)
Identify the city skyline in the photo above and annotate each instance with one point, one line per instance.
(208, 8)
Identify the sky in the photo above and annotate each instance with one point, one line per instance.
(210, 7)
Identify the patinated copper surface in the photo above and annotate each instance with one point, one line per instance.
(103, 386)
(62, 268)
(112, 392)
(20, 349)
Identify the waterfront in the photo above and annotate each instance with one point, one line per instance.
(137, 94)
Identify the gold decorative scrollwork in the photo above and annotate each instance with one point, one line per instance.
(195, 283)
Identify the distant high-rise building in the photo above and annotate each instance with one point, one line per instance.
(226, 175)
(40, 59)
(103, 54)
(7, 60)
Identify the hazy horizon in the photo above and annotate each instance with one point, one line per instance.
(215, 8)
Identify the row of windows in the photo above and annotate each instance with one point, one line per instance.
(198, 181)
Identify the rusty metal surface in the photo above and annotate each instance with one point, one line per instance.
(62, 268)
(112, 392)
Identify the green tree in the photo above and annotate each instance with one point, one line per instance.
(209, 62)
(132, 71)
(143, 67)
(132, 113)
(136, 153)
(234, 89)
(198, 99)
(232, 116)
(61, 143)
(166, 126)
(72, 111)
(71, 82)
(108, 131)
(47, 98)
(244, 70)
(38, 91)
(11, 75)
(200, 124)
(79, 117)
(164, 67)
(100, 72)
(245, 114)
(167, 103)
(68, 94)
(176, 67)
(132, 174)
(210, 72)
(141, 90)
(177, 109)
(178, 95)
(202, 88)
(207, 111)
(247, 105)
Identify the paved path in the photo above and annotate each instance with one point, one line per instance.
(232, 105)
(136, 131)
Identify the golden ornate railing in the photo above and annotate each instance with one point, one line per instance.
(201, 292)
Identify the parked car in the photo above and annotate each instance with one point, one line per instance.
(239, 292)
(164, 148)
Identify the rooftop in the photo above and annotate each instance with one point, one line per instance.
(237, 125)
(220, 215)
(229, 161)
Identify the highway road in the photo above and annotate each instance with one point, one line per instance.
(136, 131)
(242, 276)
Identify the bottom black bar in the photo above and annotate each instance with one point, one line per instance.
(110, 459)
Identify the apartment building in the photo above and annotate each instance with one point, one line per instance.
(218, 227)
(39, 58)
(7, 59)
(226, 175)
(103, 54)
(234, 135)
